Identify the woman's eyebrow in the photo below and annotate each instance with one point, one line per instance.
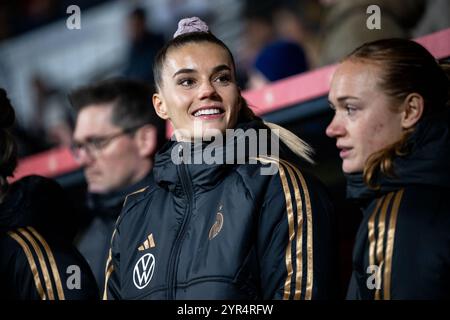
(344, 98)
(221, 68)
(184, 70)
(214, 70)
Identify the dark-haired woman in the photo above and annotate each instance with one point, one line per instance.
(219, 230)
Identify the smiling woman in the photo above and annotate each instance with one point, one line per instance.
(203, 89)
(219, 230)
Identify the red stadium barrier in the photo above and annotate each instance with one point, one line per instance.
(50, 163)
(283, 93)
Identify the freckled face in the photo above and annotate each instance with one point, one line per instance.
(198, 90)
(364, 122)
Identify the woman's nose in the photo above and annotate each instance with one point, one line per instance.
(207, 90)
(335, 128)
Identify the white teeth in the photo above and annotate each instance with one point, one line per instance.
(207, 112)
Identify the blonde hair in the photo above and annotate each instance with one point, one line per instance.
(294, 143)
(383, 160)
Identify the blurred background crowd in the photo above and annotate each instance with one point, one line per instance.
(41, 59)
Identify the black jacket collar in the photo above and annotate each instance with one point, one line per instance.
(202, 176)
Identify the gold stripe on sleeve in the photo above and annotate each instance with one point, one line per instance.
(53, 265)
(380, 241)
(371, 232)
(299, 241)
(290, 216)
(290, 213)
(309, 236)
(43, 264)
(31, 262)
(390, 245)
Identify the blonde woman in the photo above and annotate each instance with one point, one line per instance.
(391, 125)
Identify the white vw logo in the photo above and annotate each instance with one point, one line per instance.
(143, 271)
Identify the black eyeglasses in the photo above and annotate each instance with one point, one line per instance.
(94, 145)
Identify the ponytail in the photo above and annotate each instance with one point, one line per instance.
(294, 143)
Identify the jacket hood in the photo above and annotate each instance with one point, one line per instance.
(427, 163)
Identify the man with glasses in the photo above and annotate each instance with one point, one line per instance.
(116, 135)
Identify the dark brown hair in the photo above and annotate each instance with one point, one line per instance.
(406, 67)
(8, 146)
(195, 37)
(131, 101)
(180, 41)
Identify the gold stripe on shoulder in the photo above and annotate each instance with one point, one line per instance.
(309, 234)
(43, 264)
(380, 240)
(53, 265)
(390, 244)
(371, 231)
(382, 227)
(130, 194)
(296, 235)
(31, 262)
(139, 191)
(299, 233)
(290, 216)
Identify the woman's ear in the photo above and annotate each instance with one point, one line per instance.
(146, 138)
(160, 106)
(413, 111)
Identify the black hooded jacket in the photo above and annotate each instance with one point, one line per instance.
(37, 258)
(402, 248)
(223, 231)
